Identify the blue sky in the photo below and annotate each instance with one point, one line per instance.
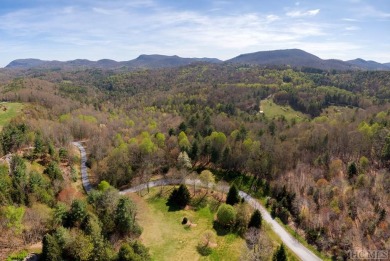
(122, 30)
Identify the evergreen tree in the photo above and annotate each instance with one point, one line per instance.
(140, 250)
(124, 215)
(51, 251)
(386, 150)
(38, 145)
(183, 196)
(232, 196)
(50, 149)
(256, 219)
(280, 254)
(126, 253)
(352, 170)
(180, 197)
(78, 212)
(53, 171)
(134, 251)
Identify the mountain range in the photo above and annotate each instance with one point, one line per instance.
(289, 57)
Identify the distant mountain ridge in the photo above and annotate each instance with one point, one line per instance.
(288, 57)
(142, 61)
(300, 58)
(372, 65)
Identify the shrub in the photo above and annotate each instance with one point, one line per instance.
(204, 250)
(73, 173)
(103, 185)
(133, 251)
(207, 239)
(226, 215)
(20, 256)
(242, 218)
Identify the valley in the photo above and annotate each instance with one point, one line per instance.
(316, 158)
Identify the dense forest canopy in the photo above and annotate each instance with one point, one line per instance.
(323, 164)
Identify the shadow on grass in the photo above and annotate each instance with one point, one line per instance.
(163, 192)
(173, 207)
(221, 230)
(198, 202)
(204, 250)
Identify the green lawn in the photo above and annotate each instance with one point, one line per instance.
(9, 110)
(272, 110)
(168, 239)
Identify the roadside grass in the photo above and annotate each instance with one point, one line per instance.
(168, 239)
(263, 201)
(272, 110)
(297, 236)
(9, 110)
(303, 241)
(78, 184)
(276, 239)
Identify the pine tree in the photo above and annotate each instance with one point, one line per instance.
(180, 197)
(51, 251)
(352, 170)
(232, 196)
(280, 254)
(38, 145)
(183, 196)
(78, 212)
(255, 220)
(124, 215)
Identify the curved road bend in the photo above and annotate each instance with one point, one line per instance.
(300, 250)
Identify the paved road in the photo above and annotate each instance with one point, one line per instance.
(300, 250)
(84, 174)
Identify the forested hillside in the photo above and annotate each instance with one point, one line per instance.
(322, 169)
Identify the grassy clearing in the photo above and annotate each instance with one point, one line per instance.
(9, 110)
(168, 239)
(272, 110)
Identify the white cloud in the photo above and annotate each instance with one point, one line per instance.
(349, 20)
(101, 11)
(104, 30)
(366, 10)
(272, 18)
(352, 28)
(298, 13)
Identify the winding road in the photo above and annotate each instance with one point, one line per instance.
(84, 174)
(300, 250)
